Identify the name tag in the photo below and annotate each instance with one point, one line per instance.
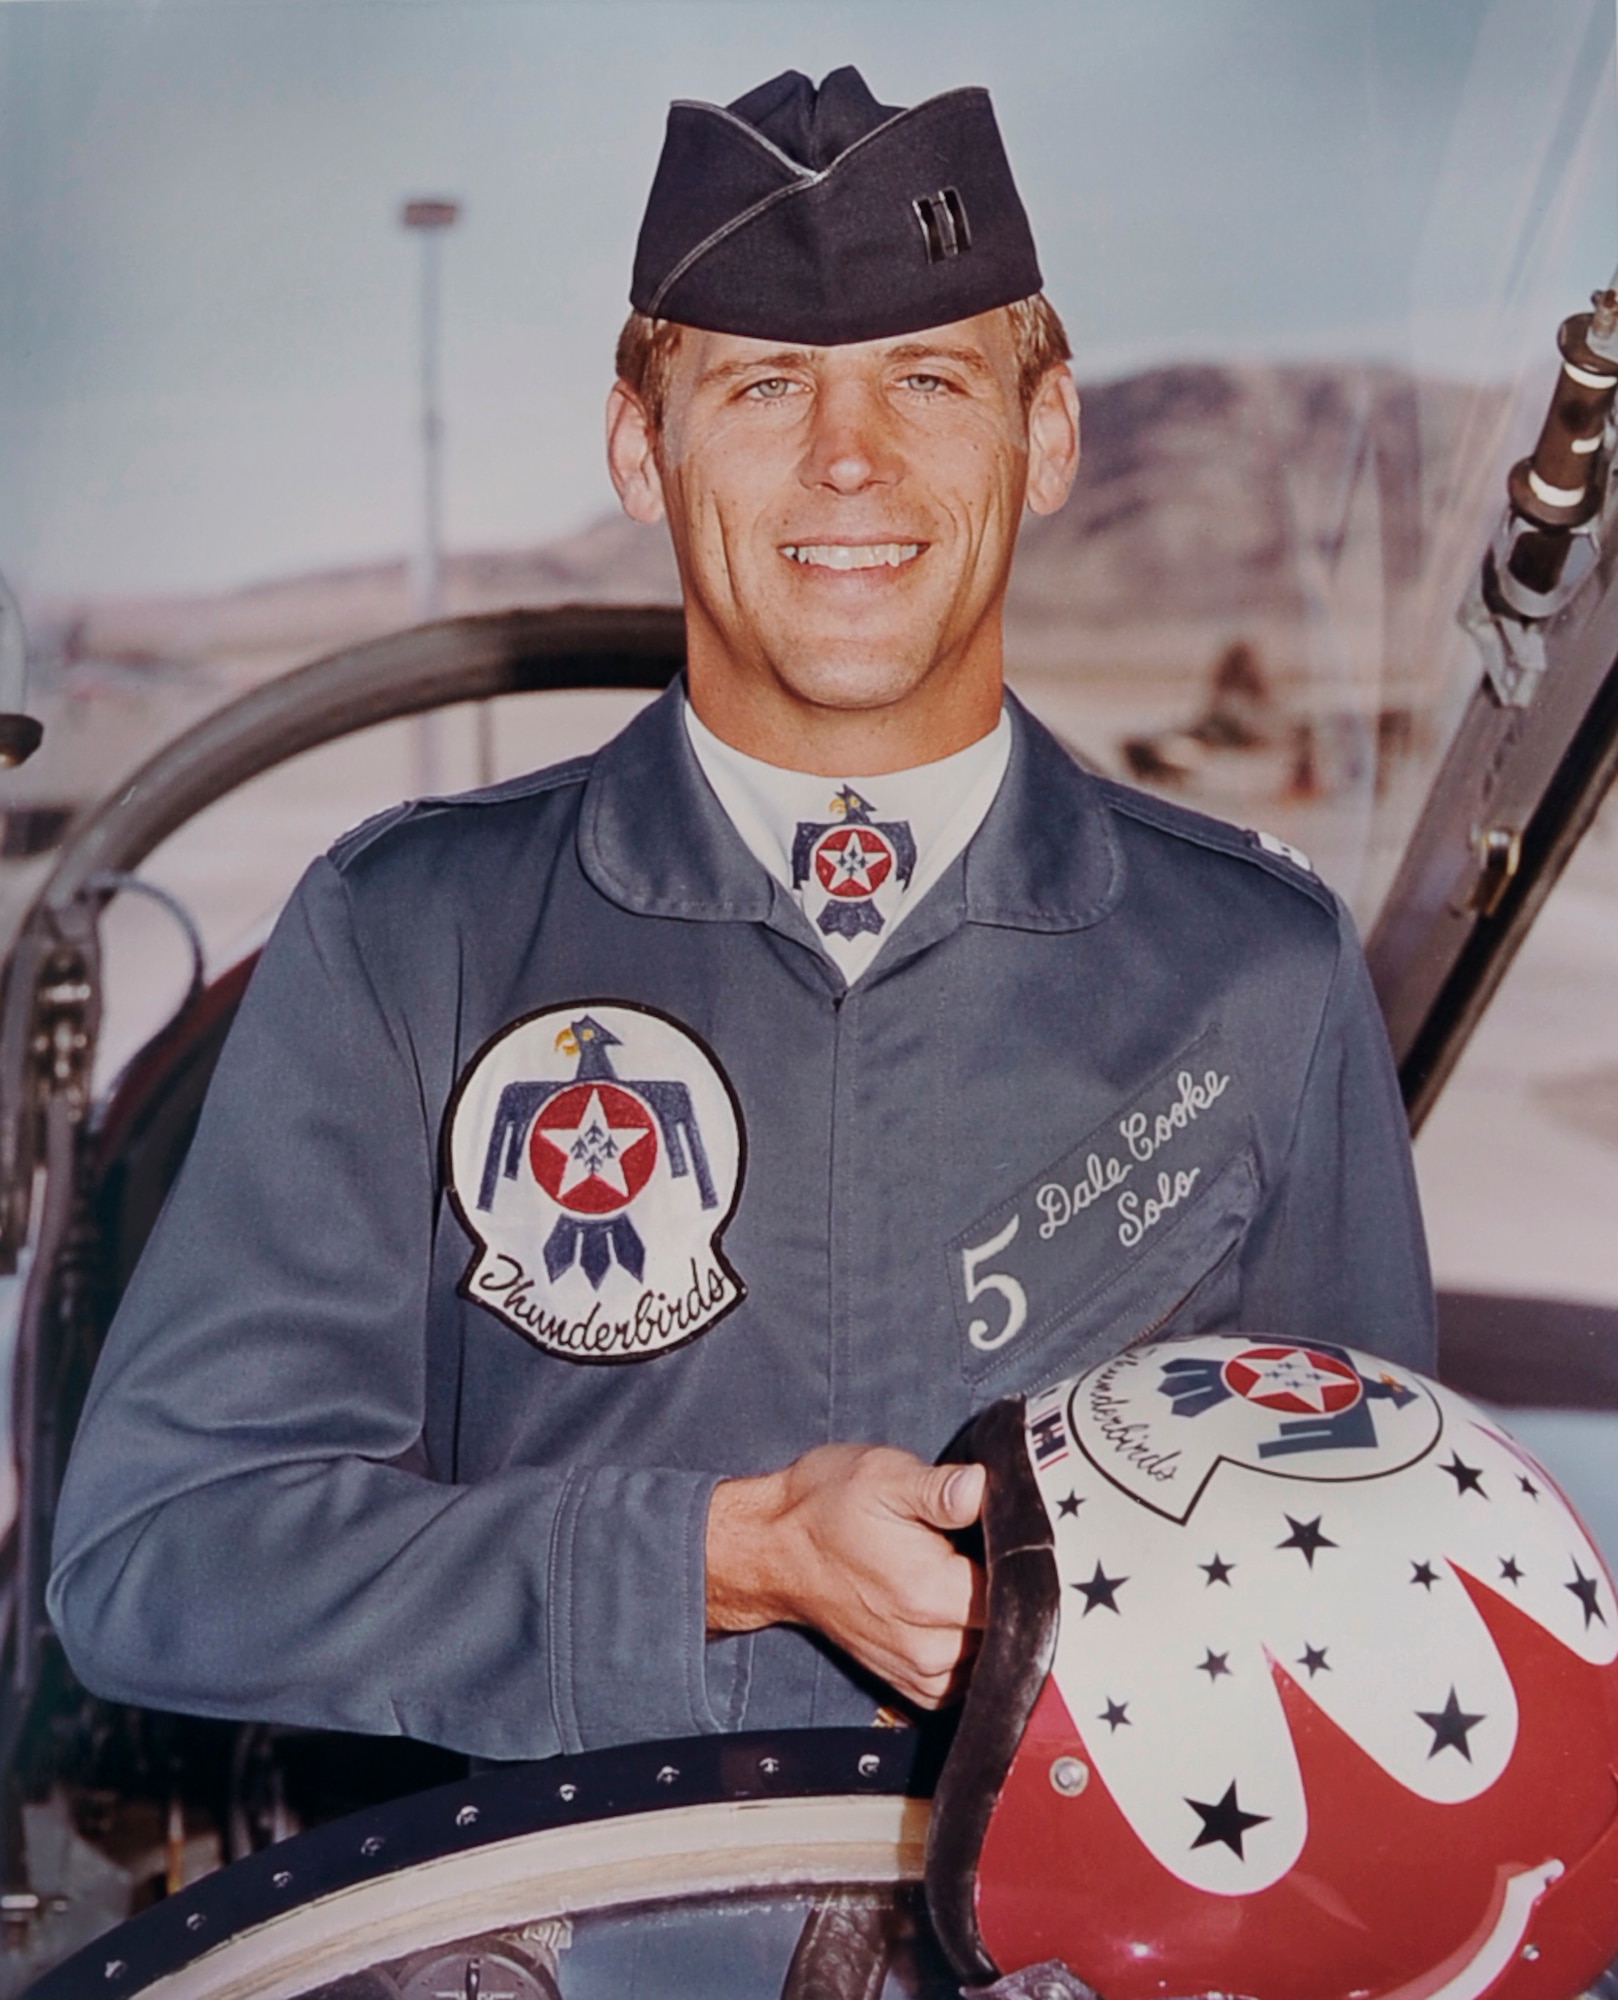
(1122, 1197)
(1144, 1134)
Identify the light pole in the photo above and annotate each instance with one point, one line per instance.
(19, 733)
(430, 218)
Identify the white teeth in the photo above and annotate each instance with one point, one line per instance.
(853, 555)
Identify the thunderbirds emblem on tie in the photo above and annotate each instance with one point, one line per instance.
(850, 858)
(595, 1157)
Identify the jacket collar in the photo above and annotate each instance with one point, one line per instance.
(654, 839)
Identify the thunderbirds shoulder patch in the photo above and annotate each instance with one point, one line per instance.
(595, 1154)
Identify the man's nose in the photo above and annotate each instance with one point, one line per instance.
(851, 443)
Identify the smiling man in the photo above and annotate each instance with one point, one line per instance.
(621, 1184)
(844, 518)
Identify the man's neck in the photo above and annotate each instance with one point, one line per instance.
(839, 742)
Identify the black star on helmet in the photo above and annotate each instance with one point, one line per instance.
(1213, 1665)
(1306, 1538)
(1468, 1478)
(1101, 1589)
(1225, 1821)
(1070, 1506)
(1314, 1658)
(1509, 1571)
(1584, 1589)
(1424, 1574)
(1218, 1571)
(1527, 1485)
(1115, 1715)
(1451, 1726)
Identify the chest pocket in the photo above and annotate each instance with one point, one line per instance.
(1136, 1230)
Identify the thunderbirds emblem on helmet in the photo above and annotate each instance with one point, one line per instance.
(1311, 1412)
(596, 1194)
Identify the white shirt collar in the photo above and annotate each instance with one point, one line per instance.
(864, 850)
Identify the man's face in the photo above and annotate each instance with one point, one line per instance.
(844, 517)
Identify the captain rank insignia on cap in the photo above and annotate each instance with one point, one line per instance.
(825, 217)
(595, 1156)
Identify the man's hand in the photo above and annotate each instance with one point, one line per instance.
(851, 1540)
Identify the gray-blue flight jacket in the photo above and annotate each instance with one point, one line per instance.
(551, 1174)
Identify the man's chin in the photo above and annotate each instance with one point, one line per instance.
(855, 667)
(852, 684)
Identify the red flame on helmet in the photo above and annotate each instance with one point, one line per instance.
(1392, 1895)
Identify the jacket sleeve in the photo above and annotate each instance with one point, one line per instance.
(1339, 1253)
(248, 1527)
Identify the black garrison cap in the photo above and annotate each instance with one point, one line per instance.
(825, 217)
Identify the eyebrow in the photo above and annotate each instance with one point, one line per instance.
(727, 371)
(969, 358)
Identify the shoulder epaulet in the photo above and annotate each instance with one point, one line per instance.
(532, 784)
(1264, 850)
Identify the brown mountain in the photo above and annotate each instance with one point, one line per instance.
(1294, 507)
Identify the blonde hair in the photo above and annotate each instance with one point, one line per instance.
(647, 347)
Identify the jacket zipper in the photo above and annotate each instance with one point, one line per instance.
(1168, 1313)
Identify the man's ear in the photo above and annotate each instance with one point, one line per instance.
(632, 455)
(1053, 440)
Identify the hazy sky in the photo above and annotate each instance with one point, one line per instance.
(208, 310)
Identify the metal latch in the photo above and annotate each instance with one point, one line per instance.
(1549, 539)
(60, 1044)
(1498, 852)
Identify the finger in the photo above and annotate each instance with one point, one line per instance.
(925, 1690)
(955, 1684)
(937, 1593)
(928, 1663)
(977, 1612)
(923, 1698)
(934, 1658)
(948, 1496)
(934, 1690)
(966, 1587)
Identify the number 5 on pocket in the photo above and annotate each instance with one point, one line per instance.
(977, 1282)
